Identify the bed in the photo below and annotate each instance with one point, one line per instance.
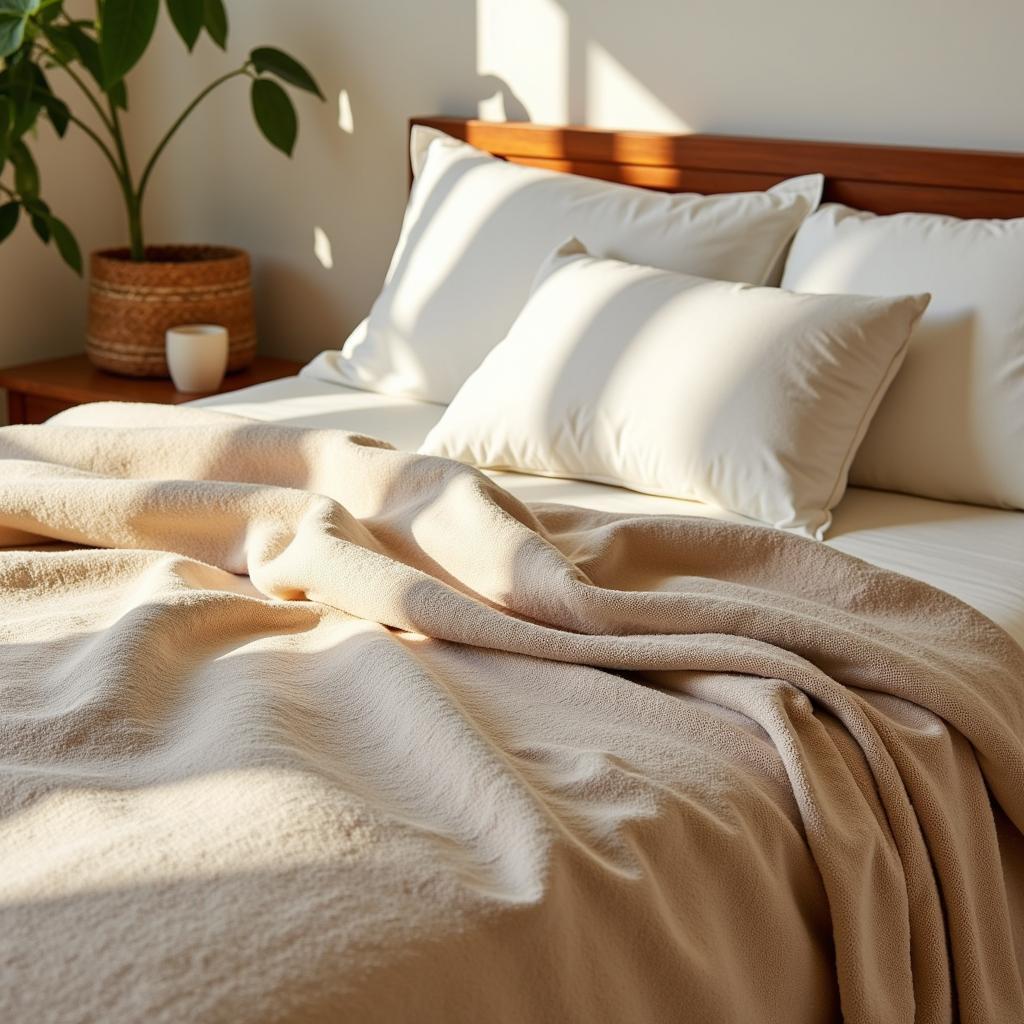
(302, 725)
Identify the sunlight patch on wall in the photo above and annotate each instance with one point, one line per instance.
(616, 98)
(523, 60)
(322, 249)
(345, 120)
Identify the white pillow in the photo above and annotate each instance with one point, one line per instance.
(952, 424)
(476, 229)
(753, 399)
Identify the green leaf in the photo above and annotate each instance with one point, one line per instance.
(275, 114)
(12, 34)
(125, 32)
(50, 11)
(26, 112)
(58, 113)
(5, 130)
(187, 16)
(215, 18)
(39, 214)
(119, 95)
(56, 109)
(18, 82)
(14, 15)
(41, 226)
(267, 60)
(67, 246)
(26, 174)
(8, 219)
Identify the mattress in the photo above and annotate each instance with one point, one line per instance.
(974, 553)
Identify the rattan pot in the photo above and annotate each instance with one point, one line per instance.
(132, 305)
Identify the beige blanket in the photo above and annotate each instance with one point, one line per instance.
(295, 727)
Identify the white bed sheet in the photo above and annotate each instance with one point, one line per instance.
(976, 554)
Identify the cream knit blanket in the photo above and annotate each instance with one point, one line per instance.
(295, 727)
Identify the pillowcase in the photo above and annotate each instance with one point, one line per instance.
(753, 399)
(476, 229)
(952, 424)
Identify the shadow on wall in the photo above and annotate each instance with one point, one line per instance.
(497, 102)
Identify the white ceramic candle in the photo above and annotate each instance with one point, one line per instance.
(197, 356)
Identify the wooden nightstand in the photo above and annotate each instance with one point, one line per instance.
(38, 391)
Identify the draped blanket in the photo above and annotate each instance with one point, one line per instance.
(296, 727)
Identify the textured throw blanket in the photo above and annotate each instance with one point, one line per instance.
(295, 727)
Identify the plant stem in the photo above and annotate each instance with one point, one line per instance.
(138, 243)
(119, 163)
(144, 180)
(132, 198)
(104, 148)
(86, 91)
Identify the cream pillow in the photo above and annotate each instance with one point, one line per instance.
(753, 399)
(476, 229)
(952, 424)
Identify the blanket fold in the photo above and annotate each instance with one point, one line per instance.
(294, 726)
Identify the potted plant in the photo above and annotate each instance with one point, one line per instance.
(137, 292)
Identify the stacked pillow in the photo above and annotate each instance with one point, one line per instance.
(753, 399)
(476, 229)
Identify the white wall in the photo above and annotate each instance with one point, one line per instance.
(941, 72)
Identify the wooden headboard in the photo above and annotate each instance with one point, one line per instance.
(884, 179)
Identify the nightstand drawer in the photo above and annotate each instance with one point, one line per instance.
(23, 408)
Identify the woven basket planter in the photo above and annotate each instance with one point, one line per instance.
(132, 305)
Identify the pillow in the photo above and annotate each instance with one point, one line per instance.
(952, 424)
(477, 228)
(753, 399)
